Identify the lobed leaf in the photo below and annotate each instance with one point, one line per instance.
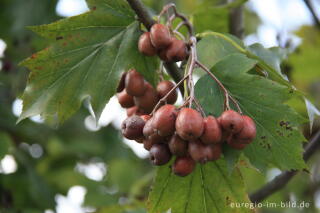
(208, 189)
(278, 140)
(85, 61)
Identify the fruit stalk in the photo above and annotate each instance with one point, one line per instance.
(147, 21)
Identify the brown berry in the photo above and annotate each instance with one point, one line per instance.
(132, 111)
(145, 117)
(121, 84)
(134, 83)
(213, 152)
(147, 144)
(160, 154)
(189, 124)
(132, 127)
(160, 36)
(163, 89)
(231, 121)
(203, 153)
(139, 140)
(196, 150)
(178, 146)
(145, 46)
(148, 128)
(183, 166)
(125, 100)
(212, 131)
(236, 145)
(148, 100)
(248, 132)
(164, 120)
(151, 134)
(163, 55)
(177, 51)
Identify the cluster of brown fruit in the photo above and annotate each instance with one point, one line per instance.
(162, 42)
(169, 131)
(187, 135)
(139, 97)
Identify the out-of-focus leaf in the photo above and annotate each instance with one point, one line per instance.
(15, 15)
(123, 173)
(305, 60)
(208, 189)
(85, 61)
(278, 137)
(211, 18)
(251, 21)
(305, 72)
(5, 143)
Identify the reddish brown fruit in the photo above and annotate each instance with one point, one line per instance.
(139, 140)
(189, 124)
(160, 36)
(231, 121)
(151, 134)
(212, 131)
(196, 150)
(163, 55)
(148, 129)
(248, 132)
(178, 146)
(147, 144)
(145, 46)
(183, 166)
(132, 127)
(236, 145)
(164, 120)
(148, 100)
(121, 84)
(134, 83)
(177, 51)
(160, 154)
(132, 110)
(145, 117)
(125, 100)
(203, 153)
(163, 88)
(212, 152)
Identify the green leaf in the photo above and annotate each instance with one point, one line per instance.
(88, 55)
(208, 189)
(221, 45)
(215, 48)
(5, 143)
(278, 140)
(272, 56)
(305, 69)
(203, 19)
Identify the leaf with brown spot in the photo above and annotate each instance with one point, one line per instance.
(87, 64)
(276, 121)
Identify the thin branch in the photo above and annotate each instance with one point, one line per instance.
(313, 12)
(281, 180)
(144, 17)
(164, 98)
(236, 20)
(147, 21)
